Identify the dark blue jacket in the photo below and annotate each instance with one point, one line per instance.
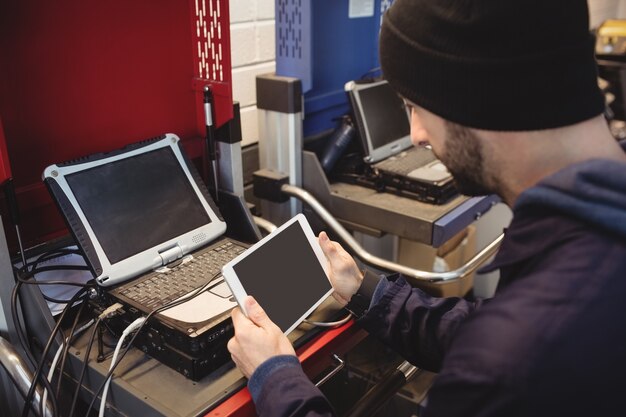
(552, 342)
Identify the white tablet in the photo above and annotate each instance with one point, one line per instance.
(285, 272)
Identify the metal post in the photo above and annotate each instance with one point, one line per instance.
(8, 392)
(279, 103)
(229, 149)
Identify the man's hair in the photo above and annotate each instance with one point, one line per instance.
(494, 64)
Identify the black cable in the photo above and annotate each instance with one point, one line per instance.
(28, 277)
(23, 340)
(153, 312)
(79, 383)
(66, 347)
(113, 333)
(55, 300)
(38, 373)
(40, 366)
(71, 284)
(59, 267)
(24, 343)
(52, 255)
(23, 276)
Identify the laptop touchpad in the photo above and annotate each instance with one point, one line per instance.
(433, 172)
(221, 290)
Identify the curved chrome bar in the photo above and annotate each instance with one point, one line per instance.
(264, 224)
(469, 267)
(20, 374)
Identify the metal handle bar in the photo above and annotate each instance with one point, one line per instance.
(469, 267)
(264, 224)
(21, 375)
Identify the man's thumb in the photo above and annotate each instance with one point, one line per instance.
(255, 312)
(325, 243)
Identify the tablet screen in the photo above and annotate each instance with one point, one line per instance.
(284, 274)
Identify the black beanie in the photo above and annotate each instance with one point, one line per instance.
(493, 64)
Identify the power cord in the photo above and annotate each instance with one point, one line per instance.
(108, 312)
(329, 324)
(65, 346)
(134, 326)
(174, 303)
(62, 349)
(83, 370)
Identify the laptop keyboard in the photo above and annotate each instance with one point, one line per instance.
(406, 161)
(162, 288)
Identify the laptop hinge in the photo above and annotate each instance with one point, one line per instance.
(171, 254)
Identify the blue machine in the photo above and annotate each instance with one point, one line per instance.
(326, 43)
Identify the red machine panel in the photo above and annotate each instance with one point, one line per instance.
(78, 77)
(5, 166)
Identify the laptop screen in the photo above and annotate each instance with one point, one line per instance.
(384, 114)
(381, 119)
(134, 209)
(135, 203)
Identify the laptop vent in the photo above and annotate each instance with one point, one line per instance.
(199, 238)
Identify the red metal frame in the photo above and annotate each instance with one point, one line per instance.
(79, 77)
(5, 166)
(315, 356)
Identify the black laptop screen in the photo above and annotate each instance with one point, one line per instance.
(384, 114)
(138, 202)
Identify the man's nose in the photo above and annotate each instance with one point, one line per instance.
(419, 136)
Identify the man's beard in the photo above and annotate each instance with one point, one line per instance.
(463, 156)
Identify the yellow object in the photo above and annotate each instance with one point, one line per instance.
(611, 37)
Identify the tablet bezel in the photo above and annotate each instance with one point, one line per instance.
(237, 288)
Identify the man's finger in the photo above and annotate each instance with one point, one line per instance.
(256, 313)
(326, 244)
(231, 345)
(239, 319)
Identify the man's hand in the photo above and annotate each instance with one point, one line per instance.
(256, 338)
(345, 275)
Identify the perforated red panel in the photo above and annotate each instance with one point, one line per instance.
(78, 77)
(211, 39)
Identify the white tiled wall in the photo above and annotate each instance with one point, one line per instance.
(252, 52)
(600, 10)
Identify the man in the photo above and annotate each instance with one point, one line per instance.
(506, 94)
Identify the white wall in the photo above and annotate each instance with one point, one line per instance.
(600, 10)
(252, 52)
